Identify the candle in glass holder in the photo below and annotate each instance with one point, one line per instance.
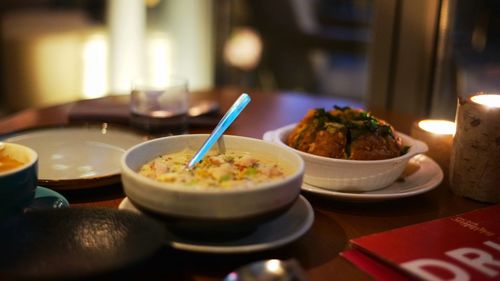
(475, 156)
(438, 135)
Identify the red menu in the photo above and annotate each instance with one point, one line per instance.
(462, 247)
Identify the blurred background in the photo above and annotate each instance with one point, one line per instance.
(401, 55)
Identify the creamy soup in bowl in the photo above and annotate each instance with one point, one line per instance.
(242, 182)
(227, 170)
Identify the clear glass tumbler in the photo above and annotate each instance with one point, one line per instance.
(160, 108)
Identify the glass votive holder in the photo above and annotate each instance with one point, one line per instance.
(438, 135)
(475, 155)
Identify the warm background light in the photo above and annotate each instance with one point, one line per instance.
(42, 54)
(243, 49)
(95, 66)
(159, 57)
(126, 43)
(56, 56)
(488, 100)
(440, 127)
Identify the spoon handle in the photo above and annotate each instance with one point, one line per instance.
(221, 127)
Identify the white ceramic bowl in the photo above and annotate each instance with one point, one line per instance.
(192, 208)
(350, 175)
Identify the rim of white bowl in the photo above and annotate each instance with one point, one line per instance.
(416, 147)
(33, 155)
(163, 185)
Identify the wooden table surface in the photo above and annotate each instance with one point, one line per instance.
(335, 222)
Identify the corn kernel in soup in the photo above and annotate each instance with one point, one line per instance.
(215, 171)
(8, 163)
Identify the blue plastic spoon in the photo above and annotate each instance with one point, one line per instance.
(221, 127)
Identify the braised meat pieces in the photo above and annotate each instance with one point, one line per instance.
(345, 133)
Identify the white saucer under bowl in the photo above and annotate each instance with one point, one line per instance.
(282, 230)
(427, 175)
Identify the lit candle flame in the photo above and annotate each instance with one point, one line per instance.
(440, 127)
(487, 100)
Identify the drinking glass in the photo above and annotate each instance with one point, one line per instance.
(159, 108)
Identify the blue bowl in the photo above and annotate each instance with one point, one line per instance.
(18, 185)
